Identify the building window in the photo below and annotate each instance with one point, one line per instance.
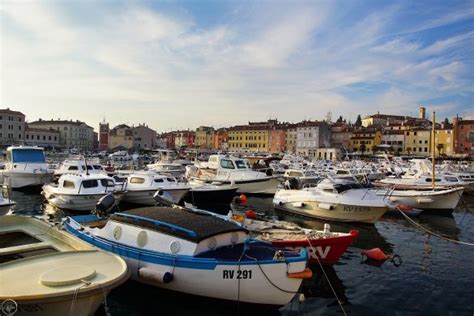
(27, 136)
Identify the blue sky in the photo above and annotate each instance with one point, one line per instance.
(181, 64)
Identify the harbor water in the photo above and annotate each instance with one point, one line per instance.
(436, 276)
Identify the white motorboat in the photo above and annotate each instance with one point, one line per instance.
(80, 192)
(25, 167)
(46, 271)
(439, 199)
(306, 177)
(196, 253)
(141, 186)
(168, 168)
(234, 171)
(333, 199)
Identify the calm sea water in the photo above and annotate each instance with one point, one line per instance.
(436, 277)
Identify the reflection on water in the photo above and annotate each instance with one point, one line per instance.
(432, 280)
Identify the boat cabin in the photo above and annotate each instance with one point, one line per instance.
(16, 155)
(170, 230)
(85, 184)
(147, 180)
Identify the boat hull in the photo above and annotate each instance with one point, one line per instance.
(145, 197)
(81, 202)
(326, 251)
(338, 212)
(425, 200)
(207, 197)
(22, 179)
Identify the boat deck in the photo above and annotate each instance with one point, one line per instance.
(177, 222)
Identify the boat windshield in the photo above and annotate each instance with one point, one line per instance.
(27, 155)
(240, 164)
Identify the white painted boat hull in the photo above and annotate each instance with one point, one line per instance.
(426, 200)
(145, 197)
(269, 186)
(19, 179)
(77, 202)
(212, 283)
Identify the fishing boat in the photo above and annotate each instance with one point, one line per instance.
(196, 253)
(236, 172)
(141, 186)
(46, 271)
(81, 192)
(78, 166)
(334, 199)
(323, 246)
(25, 167)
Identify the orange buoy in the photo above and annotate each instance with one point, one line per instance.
(375, 254)
(243, 199)
(250, 214)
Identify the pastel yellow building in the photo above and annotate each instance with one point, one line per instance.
(444, 142)
(204, 137)
(418, 142)
(365, 140)
(249, 138)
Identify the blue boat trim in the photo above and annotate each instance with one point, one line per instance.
(158, 223)
(178, 261)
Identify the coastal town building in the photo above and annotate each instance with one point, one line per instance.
(121, 138)
(12, 127)
(463, 136)
(332, 154)
(220, 139)
(104, 136)
(418, 142)
(73, 134)
(393, 141)
(143, 137)
(47, 138)
(444, 142)
(204, 137)
(366, 140)
(184, 139)
(290, 138)
(311, 135)
(254, 137)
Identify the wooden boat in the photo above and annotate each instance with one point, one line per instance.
(323, 246)
(196, 253)
(46, 271)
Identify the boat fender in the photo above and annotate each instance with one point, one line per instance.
(155, 276)
(306, 274)
(243, 199)
(424, 200)
(299, 204)
(404, 207)
(250, 214)
(325, 206)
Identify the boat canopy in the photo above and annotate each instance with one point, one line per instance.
(188, 225)
(19, 155)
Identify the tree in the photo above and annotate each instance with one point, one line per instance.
(358, 122)
(440, 148)
(374, 148)
(446, 122)
(340, 119)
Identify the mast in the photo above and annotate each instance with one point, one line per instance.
(433, 153)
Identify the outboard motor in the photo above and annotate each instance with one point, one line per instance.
(164, 198)
(104, 205)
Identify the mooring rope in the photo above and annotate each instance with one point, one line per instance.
(327, 278)
(432, 232)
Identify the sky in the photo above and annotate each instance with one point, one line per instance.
(182, 64)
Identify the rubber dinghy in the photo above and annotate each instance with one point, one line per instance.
(196, 253)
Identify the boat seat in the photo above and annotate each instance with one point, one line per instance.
(28, 247)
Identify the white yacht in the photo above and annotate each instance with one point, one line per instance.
(80, 192)
(234, 171)
(25, 167)
(306, 177)
(333, 199)
(141, 186)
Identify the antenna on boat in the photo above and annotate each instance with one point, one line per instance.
(433, 154)
(85, 163)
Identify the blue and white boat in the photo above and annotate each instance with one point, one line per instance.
(196, 253)
(25, 167)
